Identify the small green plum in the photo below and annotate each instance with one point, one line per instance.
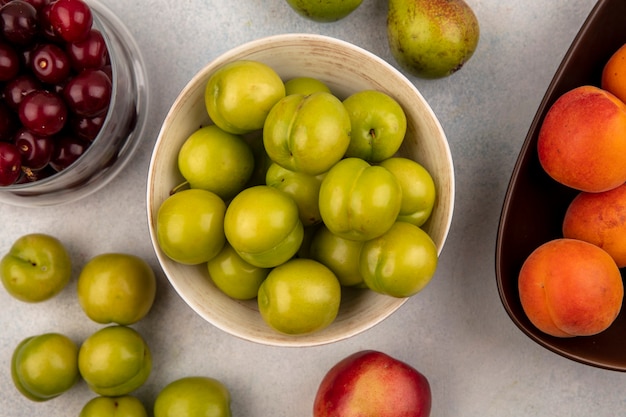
(378, 125)
(116, 288)
(234, 276)
(399, 263)
(190, 226)
(217, 161)
(324, 11)
(303, 188)
(36, 268)
(193, 396)
(305, 86)
(339, 254)
(307, 134)
(359, 201)
(240, 94)
(418, 189)
(301, 296)
(45, 366)
(124, 406)
(263, 225)
(114, 361)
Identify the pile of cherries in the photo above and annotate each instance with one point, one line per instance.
(55, 86)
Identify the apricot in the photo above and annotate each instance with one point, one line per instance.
(614, 74)
(582, 140)
(599, 218)
(569, 287)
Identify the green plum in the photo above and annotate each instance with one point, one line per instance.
(303, 188)
(262, 161)
(234, 276)
(115, 361)
(193, 396)
(240, 94)
(339, 254)
(190, 226)
(217, 161)
(378, 125)
(418, 189)
(300, 296)
(359, 201)
(307, 133)
(305, 86)
(400, 263)
(45, 366)
(324, 11)
(263, 225)
(36, 268)
(116, 288)
(124, 406)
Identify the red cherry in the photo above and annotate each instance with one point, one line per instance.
(10, 164)
(71, 19)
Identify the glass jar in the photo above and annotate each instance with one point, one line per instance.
(119, 136)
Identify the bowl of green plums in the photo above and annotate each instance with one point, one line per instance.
(300, 191)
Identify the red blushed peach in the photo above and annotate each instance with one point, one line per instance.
(569, 287)
(599, 218)
(582, 140)
(373, 384)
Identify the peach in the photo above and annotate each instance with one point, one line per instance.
(599, 218)
(372, 384)
(569, 287)
(582, 140)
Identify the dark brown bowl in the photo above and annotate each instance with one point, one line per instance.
(535, 204)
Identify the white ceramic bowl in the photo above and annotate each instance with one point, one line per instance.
(345, 68)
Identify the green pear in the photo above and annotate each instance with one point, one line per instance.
(432, 38)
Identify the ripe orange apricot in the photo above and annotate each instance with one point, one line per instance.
(614, 74)
(582, 140)
(569, 287)
(599, 218)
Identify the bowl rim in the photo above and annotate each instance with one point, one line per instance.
(234, 53)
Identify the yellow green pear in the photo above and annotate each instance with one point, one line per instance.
(432, 38)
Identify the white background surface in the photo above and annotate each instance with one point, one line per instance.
(455, 332)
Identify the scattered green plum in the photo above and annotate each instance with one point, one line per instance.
(114, 361)
(324, 11)
(116, 288)
(215, 160)
(36, 268)
(45, 366)
(124, 406)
